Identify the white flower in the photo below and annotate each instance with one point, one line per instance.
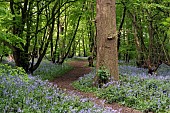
(19, 110)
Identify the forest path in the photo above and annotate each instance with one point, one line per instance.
(80, 68)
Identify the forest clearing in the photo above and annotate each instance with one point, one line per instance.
(85, 56)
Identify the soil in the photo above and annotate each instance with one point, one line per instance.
(80, 68)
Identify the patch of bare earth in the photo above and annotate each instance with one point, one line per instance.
(80, 69)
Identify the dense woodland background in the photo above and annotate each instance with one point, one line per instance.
(65, 28)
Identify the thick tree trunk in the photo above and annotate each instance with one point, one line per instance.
(21, 56)
(107, 55)
(21, 59)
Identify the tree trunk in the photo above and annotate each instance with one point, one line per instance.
(71, 42)
(139, 41)
(58, 34)
(21, 56)
(84, 48)
(21, 59)
(151, 42)
(79, 48)
(121, 24)
(107, 55)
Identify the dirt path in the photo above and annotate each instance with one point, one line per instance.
(80, 69)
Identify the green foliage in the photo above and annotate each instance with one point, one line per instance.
(85, 83)
(49, 71)
(146, 95)
(5, 69)
(103, 74)
(11, 40)
(145, 12)
(4, 49)
(167, 24)
(5, 16)
(142, 94)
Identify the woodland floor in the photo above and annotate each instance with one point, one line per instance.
(80, 68)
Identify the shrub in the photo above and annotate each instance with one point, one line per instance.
(103, 76)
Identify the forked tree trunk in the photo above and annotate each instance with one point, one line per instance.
(107, 55)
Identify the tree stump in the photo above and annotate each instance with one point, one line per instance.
(90, 60)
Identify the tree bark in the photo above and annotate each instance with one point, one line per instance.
(107, 55)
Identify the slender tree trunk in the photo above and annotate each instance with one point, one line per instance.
(58, 35)
(126, 42)
(32, 69)
(71, 42)
(79, 48)
(121, 25)
(84, 48)
(139, 41)
(36, 38)
(151, 41)
(52, 29)
(107, 55)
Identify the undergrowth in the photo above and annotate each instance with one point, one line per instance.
(49, 71)
(85, 83)
(144, 94)
(21, 93)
